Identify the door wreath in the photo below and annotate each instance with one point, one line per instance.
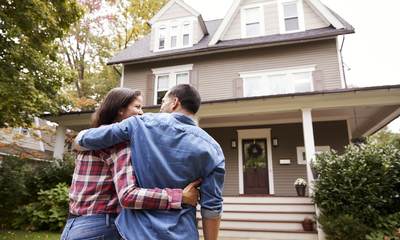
(254, 150)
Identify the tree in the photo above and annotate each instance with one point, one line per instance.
(131, 24)
(107, 27)
(387, 137)
(31, 74)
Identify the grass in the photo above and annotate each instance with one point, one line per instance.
(29, 235)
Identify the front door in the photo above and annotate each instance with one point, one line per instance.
(255, 170)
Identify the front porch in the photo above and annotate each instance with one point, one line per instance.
(270, 217)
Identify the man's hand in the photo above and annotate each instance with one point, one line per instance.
(190, 194)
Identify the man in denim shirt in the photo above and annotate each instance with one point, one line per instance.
(168, 150)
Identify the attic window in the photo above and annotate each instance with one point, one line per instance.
(252, 22)
(291, 17)
(174, 36)
(186, 32)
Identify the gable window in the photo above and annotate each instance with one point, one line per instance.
(291, 18)
(252, 21)
(281, 81)
(161, 37)
(168, 77)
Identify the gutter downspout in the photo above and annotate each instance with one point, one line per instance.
(120, 73)
(341, 58)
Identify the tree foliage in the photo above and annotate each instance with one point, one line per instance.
(31, 74)
(386, 136)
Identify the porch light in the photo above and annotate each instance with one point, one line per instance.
(233, 144)
(275, 142)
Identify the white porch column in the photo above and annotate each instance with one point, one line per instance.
(309, 144)
(60, 141)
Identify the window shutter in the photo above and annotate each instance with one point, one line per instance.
(318, 80)
(238, 87)
(193, 78)
(151, 81)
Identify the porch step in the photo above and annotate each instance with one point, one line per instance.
(270, 218)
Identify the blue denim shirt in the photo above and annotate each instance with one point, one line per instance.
(168, 151)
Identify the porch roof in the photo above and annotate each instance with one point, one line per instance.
(366, 109)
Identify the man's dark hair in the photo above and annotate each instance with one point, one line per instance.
(188, 96)
(116, 99)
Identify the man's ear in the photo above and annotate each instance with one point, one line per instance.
(175, 103)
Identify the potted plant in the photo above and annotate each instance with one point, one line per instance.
(308, 224)
(300, 185)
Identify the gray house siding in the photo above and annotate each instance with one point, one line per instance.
(290, 136)
(217, 72)
(175, 12)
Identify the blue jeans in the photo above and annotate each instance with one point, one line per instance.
(92, 227)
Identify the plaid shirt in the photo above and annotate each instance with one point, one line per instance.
(101, 177)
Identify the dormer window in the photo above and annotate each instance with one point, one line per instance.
(186, 34)
(161, 38)
(174, 34)
(291, 17)
(252, 21)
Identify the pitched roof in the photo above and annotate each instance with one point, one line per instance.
(140, 50)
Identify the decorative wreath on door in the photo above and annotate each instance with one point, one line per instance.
(254, 150)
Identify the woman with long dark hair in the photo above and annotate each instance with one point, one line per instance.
(104, 180)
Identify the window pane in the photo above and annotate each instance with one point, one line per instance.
(185, 39)
(252, 15)
(161, 38)
(255, 154)
(302, 82)
(292, 24)
(277, 84)
(290, 10)
(186, 29)
(252, 87)
(182, 78)
(253, 29)
(173, 41)
(160, 96)
(174, 30)
(163, 82)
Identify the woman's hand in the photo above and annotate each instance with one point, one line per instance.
(190, 195)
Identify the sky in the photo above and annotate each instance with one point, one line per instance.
(371, 55)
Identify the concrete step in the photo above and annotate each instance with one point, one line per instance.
(266, 235)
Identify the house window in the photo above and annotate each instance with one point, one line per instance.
(174, 36)
(301, 153)
(168, 77)
(24, 131)
(291, 17)
(186, 34)
(161, 37)
(252, 16)
(281, 81)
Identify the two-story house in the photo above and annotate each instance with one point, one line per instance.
(273, 94)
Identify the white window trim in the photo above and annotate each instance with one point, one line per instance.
(243, 19)
(300, 12)
(282, 71)
(301, 150)
(171, 72)
(250, 134)
(168, 25)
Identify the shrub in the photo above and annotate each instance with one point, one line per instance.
(50, 212)
(364, 183)
(387, 227)
(20, 182)
(342, 227)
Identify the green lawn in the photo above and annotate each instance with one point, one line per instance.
(22, 234)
